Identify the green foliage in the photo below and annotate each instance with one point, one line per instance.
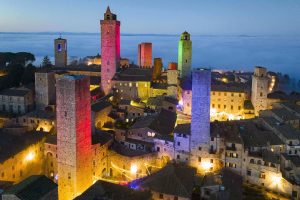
(19, 69)
(28, 75)
(15, 73)
(22, 58)
(46, 62)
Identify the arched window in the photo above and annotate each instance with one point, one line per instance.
(252, 161)
(259, 162)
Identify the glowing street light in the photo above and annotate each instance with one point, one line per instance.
(276, 179)
(30, 156)
(206, 165)
(133, 169)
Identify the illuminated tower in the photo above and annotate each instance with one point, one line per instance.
(145, 55)
(172, 79)
(259, 89)
(200, 123)
(157, 69)
(110, 49)
(60, 52)
(185, 55)
(73, 136)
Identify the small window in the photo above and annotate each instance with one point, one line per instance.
(161, 196)
(248, 172)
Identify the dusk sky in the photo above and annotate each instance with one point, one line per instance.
(279, 17)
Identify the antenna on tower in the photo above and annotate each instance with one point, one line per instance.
(59, 35)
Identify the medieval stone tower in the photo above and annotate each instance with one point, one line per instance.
(157, 69)
(110, 49)
(200, 123)
(259, 89)
(172, 79)
(44, 89)
(185, 55)
(145, 55)
(60, 52)
(73, 136)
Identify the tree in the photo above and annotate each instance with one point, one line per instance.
(15, 73)
(46, 62)
(28, 75)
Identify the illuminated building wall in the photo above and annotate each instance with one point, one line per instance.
(60, 52)
(127, 168)
(110, 49)
(227, 105)
(26, 163)
(145, 55)
(158, 67)
(200, 122)
(44, 122)
(185, 55)
(262, 172)
(260, 89)
(224, 105)
(172, 79)
(132, 90)
(73, 136)
(44, 89)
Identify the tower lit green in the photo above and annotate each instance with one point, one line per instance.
(185, 55)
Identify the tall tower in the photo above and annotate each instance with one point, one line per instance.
(145, 55)
(60, 52)
(259, 89)
(185, 55)
(172, 79)
(44, 89)
(157, 69)
(73, 136)
(110, 49)
(200, 123)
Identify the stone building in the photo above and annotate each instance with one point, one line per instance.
(185, 55)
(16, 100)
(73, 135)
(260, 89)
(21, 154)
(60, 52)
(100, 115)
(37, 187)
(133, 83)
(110, 49)
(171, 182)
(145, 55)
(44, 121)
(44, 89)
(228, 101)
(105, 190)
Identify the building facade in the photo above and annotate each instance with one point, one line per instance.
(16, 100)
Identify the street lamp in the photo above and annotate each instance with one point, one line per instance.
(30, 156)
